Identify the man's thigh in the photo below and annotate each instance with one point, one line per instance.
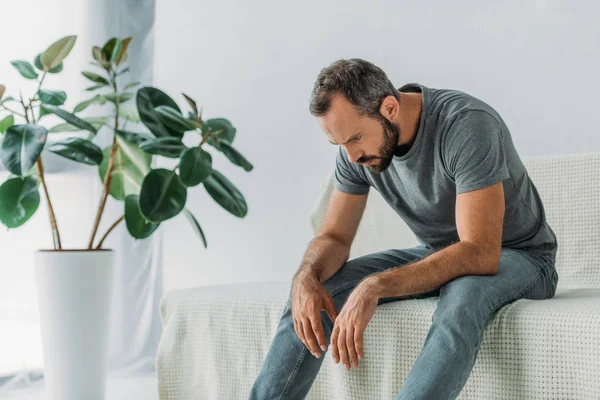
(520, 274)
(353, 271)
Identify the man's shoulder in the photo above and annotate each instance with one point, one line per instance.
(454, 109)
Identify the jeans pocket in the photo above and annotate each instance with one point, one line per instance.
(552, 275)
(546, 263)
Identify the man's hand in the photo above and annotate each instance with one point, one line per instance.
(309, 297)
(347, 334)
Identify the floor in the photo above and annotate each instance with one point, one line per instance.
(118, 388)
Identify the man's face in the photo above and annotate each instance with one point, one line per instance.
(367, 140)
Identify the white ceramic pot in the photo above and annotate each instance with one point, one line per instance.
(74, 298)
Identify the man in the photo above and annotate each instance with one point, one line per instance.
(445, 162)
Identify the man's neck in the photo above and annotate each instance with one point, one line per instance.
(409, 117)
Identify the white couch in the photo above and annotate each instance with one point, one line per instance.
(216, 338)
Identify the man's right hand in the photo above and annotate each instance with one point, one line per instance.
(309, 297)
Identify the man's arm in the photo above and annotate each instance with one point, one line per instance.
(330, 248)
(479, 221)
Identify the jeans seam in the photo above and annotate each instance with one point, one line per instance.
(462, 379)
(489, 317)
(501, 303)
(552, 289)
(294, 373)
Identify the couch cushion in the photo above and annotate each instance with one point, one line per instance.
(215, 340)
(569, 186)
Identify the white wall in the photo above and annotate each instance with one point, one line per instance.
(536, 62)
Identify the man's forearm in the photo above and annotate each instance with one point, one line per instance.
(324, 256)
(432, 272)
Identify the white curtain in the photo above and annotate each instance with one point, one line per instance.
(135, 322)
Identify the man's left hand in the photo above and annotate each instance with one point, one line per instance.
(350, 324)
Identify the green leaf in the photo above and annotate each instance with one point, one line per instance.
(129, 112)
(196, 225)
(130, 85)
(97, 99)
(222, 125)
(235, 156)
(130, 168)
(226, 194)
(21, 147)
(97, 54)
(195, 166)
(6, 123)
(79, 150)
(112, 48)
(57, 51)
(25, 69)
(96, 122)
(19, 199)
(173, 119)
(147, 98)
(135, 137)
(71, 118)
(122, 97)
(42, 112)
(163, 196)
(38, 64)
(101, 57)
(165, 146)
(192, 104)
(95, 87)
(53, 97)
(123, 53)
(95, 78)
(137, 225)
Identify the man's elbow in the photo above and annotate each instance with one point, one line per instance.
(485, 257)
(490, 260)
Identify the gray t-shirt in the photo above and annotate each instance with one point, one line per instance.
(462, 144)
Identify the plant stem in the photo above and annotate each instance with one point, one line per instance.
(208, 136)
(13, 111)
(55, 232)
(110, 230)
(40, 168)
(111, 164)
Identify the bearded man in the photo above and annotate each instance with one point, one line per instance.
(444, 160)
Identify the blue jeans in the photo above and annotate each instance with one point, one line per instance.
(464, 308)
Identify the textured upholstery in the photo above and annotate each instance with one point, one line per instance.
(215, 338)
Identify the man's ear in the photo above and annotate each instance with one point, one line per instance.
(389, 107)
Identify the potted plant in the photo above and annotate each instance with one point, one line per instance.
(74, 285)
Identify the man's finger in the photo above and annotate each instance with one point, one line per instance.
(318, 331)
(350, 346)
(334, 344)
(300, 331)
(310, 337)
(358, 342)
(342, 348)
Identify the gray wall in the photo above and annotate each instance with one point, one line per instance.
(255, 62)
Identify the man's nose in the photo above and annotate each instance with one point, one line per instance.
(353, 156)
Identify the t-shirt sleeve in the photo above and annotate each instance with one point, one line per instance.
(474, 151)
(346, 178)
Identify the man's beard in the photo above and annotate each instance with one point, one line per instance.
(391, 133)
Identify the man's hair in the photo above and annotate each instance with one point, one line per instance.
(364, 84)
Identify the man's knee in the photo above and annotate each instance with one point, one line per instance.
(465, 298)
